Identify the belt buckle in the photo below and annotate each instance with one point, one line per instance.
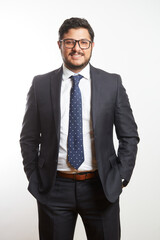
(86, 175)
(77, 178)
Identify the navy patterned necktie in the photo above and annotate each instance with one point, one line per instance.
(75, 136)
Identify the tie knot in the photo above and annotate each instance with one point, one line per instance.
(76, 79)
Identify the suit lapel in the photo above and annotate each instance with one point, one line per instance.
(56, 81)
(95, 94)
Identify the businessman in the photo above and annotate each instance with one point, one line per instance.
(67, 141)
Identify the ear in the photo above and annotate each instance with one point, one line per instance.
(93, 44)
(59, 44)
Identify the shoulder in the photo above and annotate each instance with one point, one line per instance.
(106, 79)
(45, 78)
(104, 74)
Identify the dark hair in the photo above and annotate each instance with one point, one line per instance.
(75, 23)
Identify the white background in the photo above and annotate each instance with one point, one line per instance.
(127, 42)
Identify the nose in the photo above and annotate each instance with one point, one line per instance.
(76, 47)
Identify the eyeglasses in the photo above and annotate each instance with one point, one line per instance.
(70, 43)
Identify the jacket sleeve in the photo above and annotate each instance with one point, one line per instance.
(126, 130)
(30, 134)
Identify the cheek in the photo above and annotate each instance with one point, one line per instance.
(67, 53)
(88, 53)
(64, 52)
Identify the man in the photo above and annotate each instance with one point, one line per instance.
(67, 141)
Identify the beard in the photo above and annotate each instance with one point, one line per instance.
(72, 66)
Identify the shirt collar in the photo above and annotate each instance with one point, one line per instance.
(67, 73)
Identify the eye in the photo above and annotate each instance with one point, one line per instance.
(69, 42)
(84, 42)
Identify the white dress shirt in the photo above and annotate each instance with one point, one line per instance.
(89, 163)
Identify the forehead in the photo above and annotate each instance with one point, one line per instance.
(78, 33)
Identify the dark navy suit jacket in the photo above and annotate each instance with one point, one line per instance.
(40, 133)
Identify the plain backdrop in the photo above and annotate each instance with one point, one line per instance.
(127, 42)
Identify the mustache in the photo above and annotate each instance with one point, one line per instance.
(73, 52)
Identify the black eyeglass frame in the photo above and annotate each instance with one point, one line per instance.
(75, 41)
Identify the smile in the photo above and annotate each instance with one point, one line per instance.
(76, 55)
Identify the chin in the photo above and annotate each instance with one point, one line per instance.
(76, 66)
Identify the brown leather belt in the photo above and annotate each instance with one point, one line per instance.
(79, 176)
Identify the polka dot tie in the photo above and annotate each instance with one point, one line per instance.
(75, 136)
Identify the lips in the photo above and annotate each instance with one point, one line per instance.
(76, 56)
